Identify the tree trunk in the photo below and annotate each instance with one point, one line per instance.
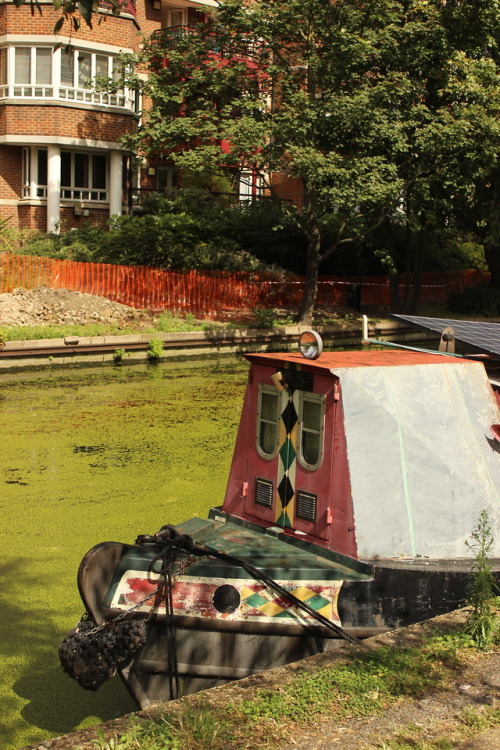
(418, 262)
(492, 255)
(306, 309)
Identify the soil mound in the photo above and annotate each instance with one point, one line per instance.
(44, 306)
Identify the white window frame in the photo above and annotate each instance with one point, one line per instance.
(87, 193)
(269, 390)
(250, 186)
(31, 187)
(77, 92)
(166, 16)
(169, 173)
(317, 398)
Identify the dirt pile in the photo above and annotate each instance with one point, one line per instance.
(44, 306)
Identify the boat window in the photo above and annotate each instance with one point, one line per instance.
(267, 421)
(311, 421)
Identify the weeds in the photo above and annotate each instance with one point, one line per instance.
(196, 728)
(366, 686)
(169, 323)
(482, 623)
(155, 350)
(264, 318)
(118, 356)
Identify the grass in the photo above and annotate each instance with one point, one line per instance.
(166, 323)
(364, 687)
(469, 722)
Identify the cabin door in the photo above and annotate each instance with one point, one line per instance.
(288, 476)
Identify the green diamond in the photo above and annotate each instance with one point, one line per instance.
(287, 454)
(317, 602)
(256, 600)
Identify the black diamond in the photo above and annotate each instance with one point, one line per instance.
(289, 417)
(285, 491)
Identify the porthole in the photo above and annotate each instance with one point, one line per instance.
(226, 599)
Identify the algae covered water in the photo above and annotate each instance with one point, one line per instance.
(90, 456)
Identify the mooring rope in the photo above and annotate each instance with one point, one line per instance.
(168, 537)
(92, 653)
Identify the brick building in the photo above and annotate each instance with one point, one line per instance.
(61, 160)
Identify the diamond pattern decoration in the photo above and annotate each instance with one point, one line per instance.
(289, 416)
(287, 454)
(261, 602)
(285, 491)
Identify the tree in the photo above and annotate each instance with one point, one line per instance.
(74, 10)
(385, 111)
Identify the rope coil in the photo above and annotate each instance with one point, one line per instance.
(91, 654)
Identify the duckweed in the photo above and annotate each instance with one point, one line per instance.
(90, 456)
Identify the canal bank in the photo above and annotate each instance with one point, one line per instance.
(458, 710)
(131, 348)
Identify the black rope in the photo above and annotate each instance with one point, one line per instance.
(167, 556)
(168, 537)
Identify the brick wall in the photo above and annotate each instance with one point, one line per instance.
(122, 31)
(64, 121)
(288, 188)
(10, 173)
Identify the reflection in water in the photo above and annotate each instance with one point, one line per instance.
(86, 457)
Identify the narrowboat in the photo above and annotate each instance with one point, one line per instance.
(356, 482)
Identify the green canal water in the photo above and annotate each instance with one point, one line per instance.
(88, 456)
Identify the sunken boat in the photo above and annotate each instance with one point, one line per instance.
(356, 482)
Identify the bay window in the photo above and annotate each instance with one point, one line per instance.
(84, 176)
(34, 172)
(33, 71)
(60, 73)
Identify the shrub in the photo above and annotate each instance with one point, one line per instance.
(264, 318)
(118, 355)
(482, 623)
(155, 350)
(481, 301)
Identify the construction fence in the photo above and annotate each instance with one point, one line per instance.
(213, 294)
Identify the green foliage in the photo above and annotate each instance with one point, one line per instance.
(482, 622)
(197, 728)
(118, 355)
(366, 686)
(384, 113)
(168, 323)
(264, 318)
(187, 232)
(481, 301)
(155, 350)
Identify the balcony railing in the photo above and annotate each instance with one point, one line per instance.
(168, 38)
(28, 91)
(126, 6)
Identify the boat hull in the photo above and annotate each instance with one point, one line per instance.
(212, 650)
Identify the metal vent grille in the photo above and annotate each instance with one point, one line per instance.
(264, 492)
(306, 507)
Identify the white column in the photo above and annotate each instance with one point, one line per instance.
(33, 172)
(115, 183)
(53, 188)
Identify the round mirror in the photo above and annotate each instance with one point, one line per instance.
(310, 344)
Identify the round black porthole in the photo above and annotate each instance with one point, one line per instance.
(226, 599)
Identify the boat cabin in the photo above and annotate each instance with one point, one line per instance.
(373, 454)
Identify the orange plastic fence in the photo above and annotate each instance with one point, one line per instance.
(216, 294)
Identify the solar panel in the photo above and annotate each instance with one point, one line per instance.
(482, 336)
